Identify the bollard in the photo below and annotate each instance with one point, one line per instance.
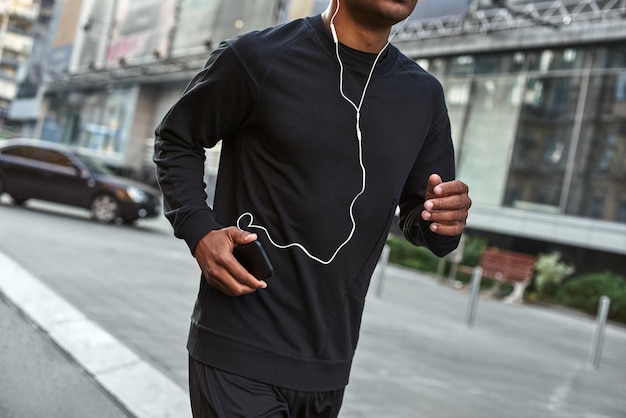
(455, 257)
(598, 336)
(452, 274)
(382, 264)
(440, 268)
(472, 304)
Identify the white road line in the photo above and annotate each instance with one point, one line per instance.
(141, 388)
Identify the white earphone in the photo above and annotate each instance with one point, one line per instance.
(359, 136)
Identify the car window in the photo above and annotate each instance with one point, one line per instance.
(94, 166)
(32, 153)
(57, 158)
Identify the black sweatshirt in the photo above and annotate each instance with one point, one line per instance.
(290, 157)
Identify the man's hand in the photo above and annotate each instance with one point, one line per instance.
(446, 205)
(214, 254)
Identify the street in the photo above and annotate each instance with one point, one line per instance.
(142, 274)
(416, 358)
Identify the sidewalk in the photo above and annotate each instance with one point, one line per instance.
(38, 379)
(55, 362)
(416, 358)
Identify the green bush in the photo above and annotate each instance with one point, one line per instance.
(549, 273)
(473, 250)
(404, 253)
(584, 292)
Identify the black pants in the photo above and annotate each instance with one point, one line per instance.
(218, 394)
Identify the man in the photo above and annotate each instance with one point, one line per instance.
(326, 129)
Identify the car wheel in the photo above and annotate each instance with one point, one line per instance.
(105, 208)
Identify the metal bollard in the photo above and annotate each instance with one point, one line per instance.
(383, 261)
(598, 336)
(470, 315)
(440, 268)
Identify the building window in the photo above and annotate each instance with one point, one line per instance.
(99, 121)
(621, 210)
(483, 159)
(525, 140)
(544, 133)
(601, 153)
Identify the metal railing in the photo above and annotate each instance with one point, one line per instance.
(556, 14)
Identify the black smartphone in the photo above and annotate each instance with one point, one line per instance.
(254, 258)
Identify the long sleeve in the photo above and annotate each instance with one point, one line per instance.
(211, 109)
(436, 157)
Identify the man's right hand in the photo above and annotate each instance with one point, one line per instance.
(214, 254)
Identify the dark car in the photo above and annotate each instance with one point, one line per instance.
(36, 169)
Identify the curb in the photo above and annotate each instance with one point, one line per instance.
(139, 387)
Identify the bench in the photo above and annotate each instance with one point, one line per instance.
(505, 266)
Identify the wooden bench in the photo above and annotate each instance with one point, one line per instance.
(505, 266)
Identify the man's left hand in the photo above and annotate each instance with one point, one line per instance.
(446, 206)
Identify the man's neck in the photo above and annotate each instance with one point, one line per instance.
(357, 37)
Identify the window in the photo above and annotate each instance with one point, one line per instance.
(56, 158)
(600, 161)
(542, 144)
(30, 153)
(500, 63)
(557, 59)
(483, 160)
(621, 210)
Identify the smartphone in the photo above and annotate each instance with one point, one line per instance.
(254, 258)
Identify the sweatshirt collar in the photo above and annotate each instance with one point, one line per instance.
(385, 62)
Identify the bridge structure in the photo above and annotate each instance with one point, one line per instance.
(501, 17)
(502, 25)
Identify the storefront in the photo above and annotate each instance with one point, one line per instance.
(98, 121)
(541, 130)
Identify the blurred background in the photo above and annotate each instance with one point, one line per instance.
(536, 92)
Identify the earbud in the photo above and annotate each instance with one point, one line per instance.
(334, 32)
(332, 25)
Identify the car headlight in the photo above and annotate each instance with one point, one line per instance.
(136, 194)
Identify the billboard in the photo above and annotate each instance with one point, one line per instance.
(143, 29)
(63, 31)
(197, 20)
(96, 28)
(204, 23)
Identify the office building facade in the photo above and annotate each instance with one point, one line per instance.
(18, 32)
(536, 94)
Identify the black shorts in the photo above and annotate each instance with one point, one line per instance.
(218, 394)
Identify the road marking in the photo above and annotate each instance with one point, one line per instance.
(141, 388)
(561, 392)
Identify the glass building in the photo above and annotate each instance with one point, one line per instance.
(542, 130)
(536, 93)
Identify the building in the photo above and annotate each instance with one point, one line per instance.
(536, 92)
(114, 67)
(17, 22)
(25, 107)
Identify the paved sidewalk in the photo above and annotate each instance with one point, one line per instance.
(416, 358)
(55, 362)
(38, 379)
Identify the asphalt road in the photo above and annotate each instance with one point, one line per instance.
(416, 357)
(132, 280)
